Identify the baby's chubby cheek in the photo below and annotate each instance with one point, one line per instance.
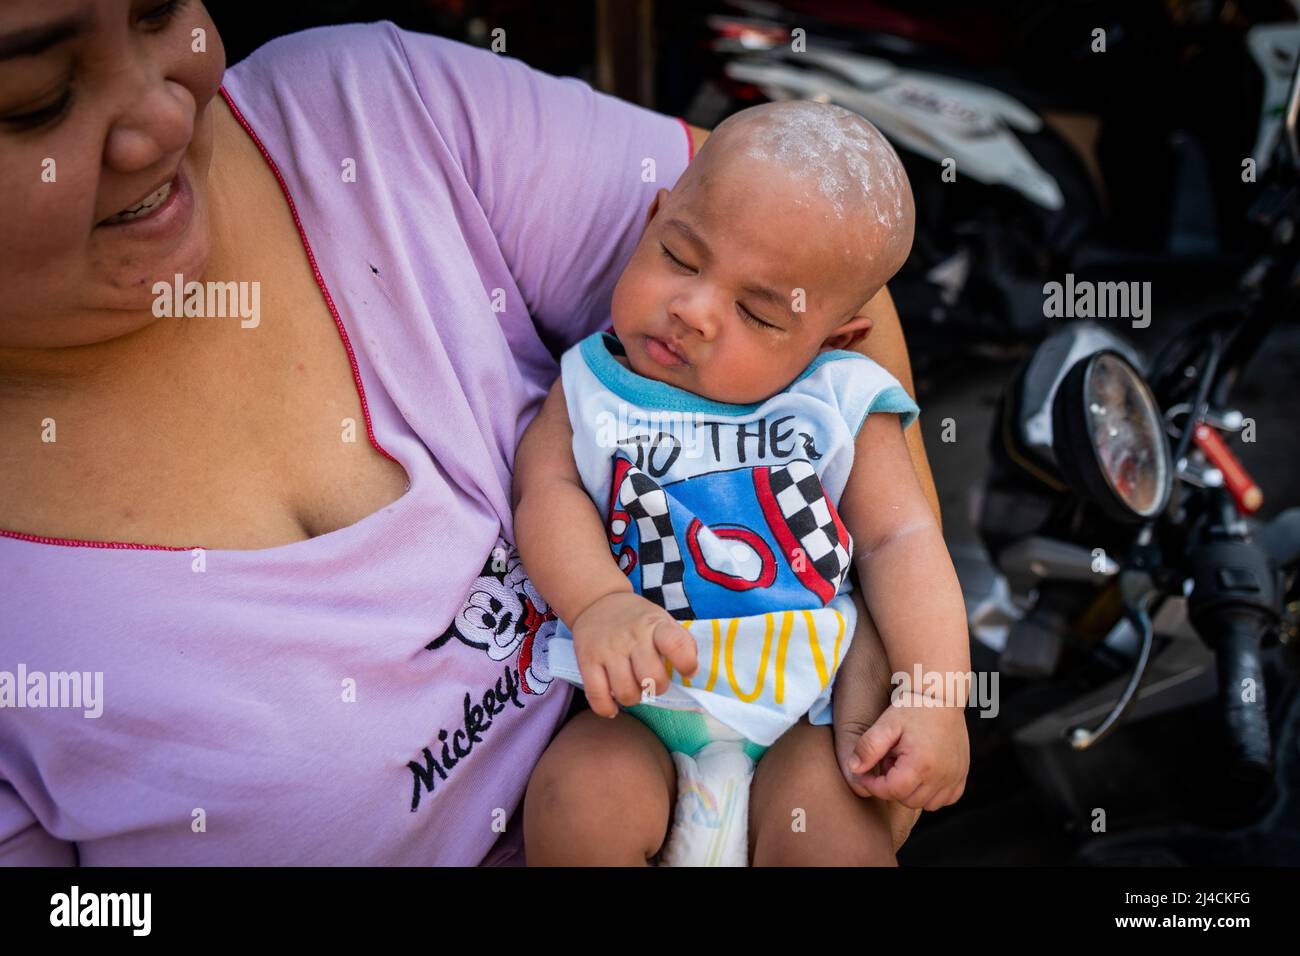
(750, 377)
(634, 299)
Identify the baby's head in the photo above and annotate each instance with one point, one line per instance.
(790, 219)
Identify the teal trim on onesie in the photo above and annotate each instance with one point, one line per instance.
(683, 731)
(892, 399)
(651, 393)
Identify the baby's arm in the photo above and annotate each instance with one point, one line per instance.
(557, 528)
(907, 576)
(619, 637)
(915, 599)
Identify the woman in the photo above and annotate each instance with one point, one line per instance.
(268, 339)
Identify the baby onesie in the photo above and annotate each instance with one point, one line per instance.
(727, 516)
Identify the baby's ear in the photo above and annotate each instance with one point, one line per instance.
(652, 210)
(849, 333)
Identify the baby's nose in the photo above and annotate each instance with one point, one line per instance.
(697, 319)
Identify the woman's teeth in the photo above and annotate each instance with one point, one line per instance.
(144, 207)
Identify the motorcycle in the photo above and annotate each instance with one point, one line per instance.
(1021, 174)
(1143, 619)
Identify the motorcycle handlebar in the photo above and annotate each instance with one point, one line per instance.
(1241, 689)
(1233, 605)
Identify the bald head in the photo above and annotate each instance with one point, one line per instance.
(828, 153)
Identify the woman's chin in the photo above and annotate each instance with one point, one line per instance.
(128, 300)
(132, 282)
(175, 240)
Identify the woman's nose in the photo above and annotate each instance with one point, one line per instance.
(157, 124)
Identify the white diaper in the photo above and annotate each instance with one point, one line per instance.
(711, 818)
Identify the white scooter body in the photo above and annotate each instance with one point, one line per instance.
(934, 116)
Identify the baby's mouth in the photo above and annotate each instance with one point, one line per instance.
(664, 353)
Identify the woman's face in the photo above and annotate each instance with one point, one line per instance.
(105, 141)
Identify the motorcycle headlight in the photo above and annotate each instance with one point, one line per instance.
(1109, 438)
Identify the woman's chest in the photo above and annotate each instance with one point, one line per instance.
(255, 713)
(231, 428)
(242, 432)
(262, 443)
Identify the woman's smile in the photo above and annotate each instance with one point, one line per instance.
(164, 213)
(145, 206)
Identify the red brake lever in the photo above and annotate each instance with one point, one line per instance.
(1245, 492)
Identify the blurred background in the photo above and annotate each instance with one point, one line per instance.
(1140, 142)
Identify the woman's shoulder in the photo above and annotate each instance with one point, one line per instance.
(339, 46)
(338, 63)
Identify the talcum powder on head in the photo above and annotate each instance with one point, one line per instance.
(820, 150)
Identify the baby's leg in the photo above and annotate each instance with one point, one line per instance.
(601, 795)
(802, 812)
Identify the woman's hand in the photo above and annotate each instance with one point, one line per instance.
(620, 641)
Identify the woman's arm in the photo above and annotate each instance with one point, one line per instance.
(885, 345)
(698, 136)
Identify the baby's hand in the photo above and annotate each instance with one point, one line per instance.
(914, 754)
(620, 642)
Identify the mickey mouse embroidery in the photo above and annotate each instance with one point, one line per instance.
(504, 613)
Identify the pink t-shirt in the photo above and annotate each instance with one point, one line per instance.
(369, 696)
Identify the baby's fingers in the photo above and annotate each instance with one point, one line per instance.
(920, 796)
(596, 684)
(675, 642)
(944, 798)
(622, 682)
(650, 672)
(854, 780)
(873, 746)
(879, 772)
(899, 783)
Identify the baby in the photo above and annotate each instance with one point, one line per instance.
(690, 500)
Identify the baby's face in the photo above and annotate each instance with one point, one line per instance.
(737, 283)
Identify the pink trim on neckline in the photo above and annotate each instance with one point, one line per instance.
(80, 543)
(320, 279)
(338, 323)
(690, 140)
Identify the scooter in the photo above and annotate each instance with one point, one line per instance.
(1010, 190)
(1143, 620)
